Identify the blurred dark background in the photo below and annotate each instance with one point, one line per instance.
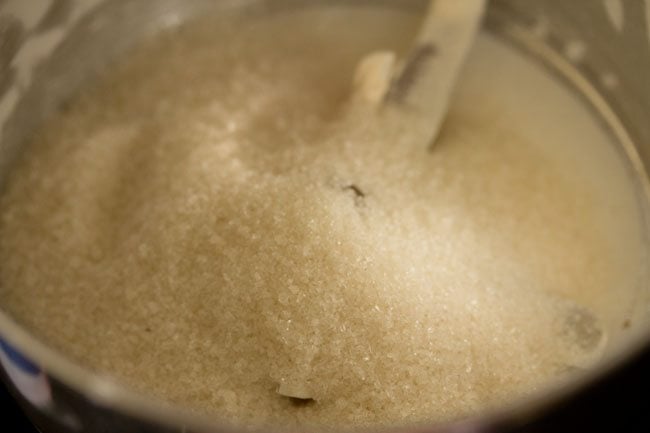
(12, 419)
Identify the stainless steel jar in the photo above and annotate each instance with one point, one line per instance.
(50, 48)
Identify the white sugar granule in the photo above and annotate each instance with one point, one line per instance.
(204, 227)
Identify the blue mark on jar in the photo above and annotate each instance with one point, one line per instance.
(28, 379)
(34, 385)
(18, 359)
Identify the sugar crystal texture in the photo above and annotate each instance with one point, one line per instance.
(206, 226)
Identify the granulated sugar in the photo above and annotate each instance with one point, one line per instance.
(205, 227)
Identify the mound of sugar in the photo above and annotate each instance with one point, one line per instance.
(212, 236)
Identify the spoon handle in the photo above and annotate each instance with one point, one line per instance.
(426, 77)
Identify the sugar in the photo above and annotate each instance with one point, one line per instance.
(205, 226)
